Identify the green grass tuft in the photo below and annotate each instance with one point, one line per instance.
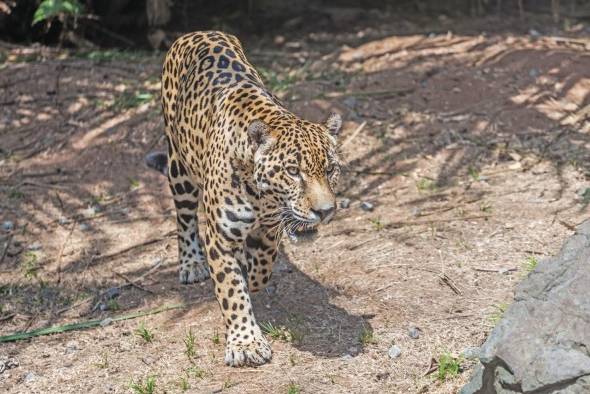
(367, 337)
(143, 332)
(189, 344)
(530, 264)
(293, 388)
(147, 387)
(448, 366)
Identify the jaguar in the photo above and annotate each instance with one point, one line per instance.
(259, 171)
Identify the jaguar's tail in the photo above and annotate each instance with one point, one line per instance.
(158, 161)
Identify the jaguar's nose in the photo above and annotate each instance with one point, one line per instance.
(325, 214)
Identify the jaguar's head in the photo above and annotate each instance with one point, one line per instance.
(296, 168)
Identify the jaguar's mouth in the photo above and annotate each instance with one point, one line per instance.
(303, 234)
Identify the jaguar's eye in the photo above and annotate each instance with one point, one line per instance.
(293, 171)
(330, 168)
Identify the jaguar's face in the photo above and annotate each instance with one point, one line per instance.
(297, 167)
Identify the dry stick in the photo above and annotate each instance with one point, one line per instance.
(61, 252)
(354, 134)
(5, 251)
(132, 282)
(444, 278)
(421, 222)
(494, 269)
(142, 276)
(129, 248)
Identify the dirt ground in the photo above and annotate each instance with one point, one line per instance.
(472, 142)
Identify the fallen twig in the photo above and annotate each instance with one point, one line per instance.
(138, 245)
(5, 251)
(499, 270)
(132, 282)
(61, 252)
(88, 324)
(354, 134)
(383, 93)
(444, 278)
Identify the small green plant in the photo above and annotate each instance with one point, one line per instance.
(280, 332)
(228, 384)
(15, 194)
(215, 339)
(103, 363)
(425, 185)
(474, 173)
(30, 264)
(51, 8)
(143, 332)
(367, 337)
(147, 387)
(485, 207)
(293, 388)
(189, 344)
(134, 183)
(196, 372)
(497, 315)
(128, 100)
(183, 383)
(448, 366)
(377, 224)
(530, 264)
(275, 82)
(113, 305)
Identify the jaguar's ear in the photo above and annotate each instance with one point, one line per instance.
(334, 123)
(258, 133)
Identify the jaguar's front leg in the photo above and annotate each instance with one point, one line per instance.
(245, 343)
(261, 252)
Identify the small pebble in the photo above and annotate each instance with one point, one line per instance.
(367, 206)
(351, 102)
(414, 332)
(534, 33)
(84, 227)
(30, 377)
(347, 357)
(394, 352)
(103, 307)
(345, 203)
(106, 322)
(113, 292)
(63, 221)
(8, 225)
(72, 347)
(533, 73)
(35, 246)
(471, 353)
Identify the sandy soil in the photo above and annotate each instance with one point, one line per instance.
(474, 149)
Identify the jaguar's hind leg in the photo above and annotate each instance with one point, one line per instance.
(193, 264)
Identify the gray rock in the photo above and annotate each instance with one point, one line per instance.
(394, 352)
(30, 377)
(541, 345)
(414, 332)
(351, 102)
(533, 73)
(106, 322)
(7, 225)
(367, 206)
(113, 292)
(35, 246)
(345, 203)
(84, 227)
(470, 353)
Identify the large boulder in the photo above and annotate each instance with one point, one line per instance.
(542, 344)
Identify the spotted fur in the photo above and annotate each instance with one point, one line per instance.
(259, 171)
